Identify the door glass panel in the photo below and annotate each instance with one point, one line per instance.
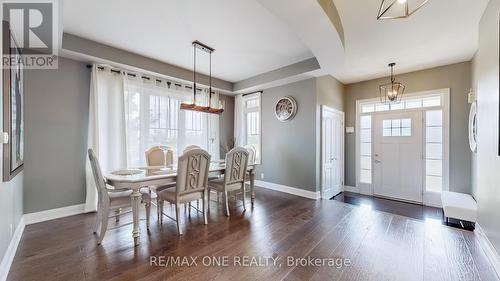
(434, 118)
(366, 163)
(433, 151)
(381, 107)
(366, 149)
(365, 176)
(365, 108)
(366, 135)
(433, 183)
(434, 134)
(397, 106)
(396, 132)
(416, 103)
(434, 167)
(432, 101)
(406, 132)
(366, 122)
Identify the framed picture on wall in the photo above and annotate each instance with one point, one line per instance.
(13, 108)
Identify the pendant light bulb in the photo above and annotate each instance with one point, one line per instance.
(402, 1)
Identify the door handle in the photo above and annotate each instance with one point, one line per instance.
(377, 161)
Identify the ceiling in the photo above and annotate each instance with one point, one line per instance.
(252, 37)
(248, 39)
(442, 32)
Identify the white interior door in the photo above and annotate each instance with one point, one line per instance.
(397, 155)
(332, 152)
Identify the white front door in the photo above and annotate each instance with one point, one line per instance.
(332, 152)
(397, 155)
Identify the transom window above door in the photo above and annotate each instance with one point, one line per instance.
(411, 103)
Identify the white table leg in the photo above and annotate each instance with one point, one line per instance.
(252, 184)
(136, 200)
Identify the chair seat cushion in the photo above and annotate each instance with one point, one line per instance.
(218, 184)
(123, 197)
(459, 206)
(170, 195)
(157, 188)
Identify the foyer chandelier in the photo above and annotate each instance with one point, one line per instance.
(392, 91)
(195, 106)
(399, 9)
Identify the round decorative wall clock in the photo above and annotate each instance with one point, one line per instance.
(285, 109)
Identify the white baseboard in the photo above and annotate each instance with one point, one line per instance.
(288, 189)
(488, 249)
(28, 219)
(10, 253)
(52, 214)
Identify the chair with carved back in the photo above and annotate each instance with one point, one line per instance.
(234, 176)
(192, 183)
(111, 200)
(159, 156)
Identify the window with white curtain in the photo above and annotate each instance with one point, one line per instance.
(252, 123)
(153, 117)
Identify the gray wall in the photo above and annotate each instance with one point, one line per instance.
(11, 198)
(56, 123)
(488, 162)
(457, 77)
(289, 148)
(56, 104)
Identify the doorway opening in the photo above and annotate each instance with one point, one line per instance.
(332, 152)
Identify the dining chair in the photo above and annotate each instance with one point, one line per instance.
(234, 176)
(160, 156)
(191, 146)
(111, 200)
(192, 184)
(251, 161)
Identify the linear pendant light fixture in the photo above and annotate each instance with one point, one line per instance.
(194, 106)
(393, 91)
(402, 5)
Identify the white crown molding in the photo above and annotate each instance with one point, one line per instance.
(52, 214)
(290, 190)
(488, 249)
(10, 253)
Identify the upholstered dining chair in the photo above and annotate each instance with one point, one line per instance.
(160, 156)
(234, 176)
(111, 200)
(192, 183)
(251, 161)
(191, 146)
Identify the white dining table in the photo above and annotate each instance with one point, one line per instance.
(158, 176)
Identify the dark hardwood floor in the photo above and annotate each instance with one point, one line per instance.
(353, 243)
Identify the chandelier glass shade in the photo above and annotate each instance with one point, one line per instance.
(393, 91)
(399, 9)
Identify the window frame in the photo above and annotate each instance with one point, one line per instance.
(246, 111)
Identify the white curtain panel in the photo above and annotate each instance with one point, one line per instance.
(239, 116)
(106, 134)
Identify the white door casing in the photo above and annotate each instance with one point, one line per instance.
(397, 160)
(332, 152)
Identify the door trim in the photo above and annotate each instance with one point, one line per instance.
(342, 147)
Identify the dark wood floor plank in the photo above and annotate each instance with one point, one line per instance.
(279, 225)
(459, 257)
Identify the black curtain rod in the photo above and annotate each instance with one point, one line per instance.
(145, 77)
(252, 93)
